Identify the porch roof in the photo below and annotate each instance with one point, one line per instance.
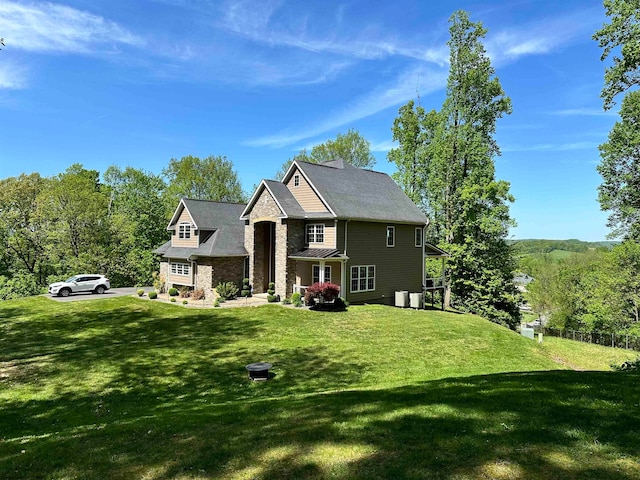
(317, 253)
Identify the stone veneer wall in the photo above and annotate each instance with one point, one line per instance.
(203, 276)
(164, 272)
(294, 240)
(228, 269)
(264, 210)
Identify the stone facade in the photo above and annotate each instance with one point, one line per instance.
(288, 238)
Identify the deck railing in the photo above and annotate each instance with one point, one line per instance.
(435, 282)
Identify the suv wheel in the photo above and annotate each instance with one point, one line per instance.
(65, 292)
(100, 289)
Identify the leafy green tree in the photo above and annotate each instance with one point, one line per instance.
(619, 192)
(452, 152)
(620, 164)
(210, 178)
(350, 147)
(22, 231)
(138, 221)
(74, 207)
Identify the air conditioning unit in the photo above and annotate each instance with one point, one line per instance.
(416, 300)
(402, 299)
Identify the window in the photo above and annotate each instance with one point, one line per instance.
(391, 236)
(315, 233)
(184, 230)
(296, 180)
(363, 278)
(419, 237)
(180, 269)
(316, 273)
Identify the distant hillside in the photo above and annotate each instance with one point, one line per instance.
(530, 246)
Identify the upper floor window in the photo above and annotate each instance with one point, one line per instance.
(419, 242)
(315, 233)
(184, 230)
(296, 180)
(391, 236)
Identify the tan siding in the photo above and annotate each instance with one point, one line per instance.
(305, 195)
(182, 242)
(330, 234)
(397, 268)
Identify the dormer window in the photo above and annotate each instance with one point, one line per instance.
(296, 180)
(184, 230)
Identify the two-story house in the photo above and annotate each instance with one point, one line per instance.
(323, 222)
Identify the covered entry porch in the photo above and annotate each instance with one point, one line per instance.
(313, 265)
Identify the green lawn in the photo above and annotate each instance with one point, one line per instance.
(127, 388)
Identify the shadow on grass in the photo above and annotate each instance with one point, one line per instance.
(537, 425)
(175, 401)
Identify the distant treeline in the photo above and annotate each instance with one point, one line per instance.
(529, 246)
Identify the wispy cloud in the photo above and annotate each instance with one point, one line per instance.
(384, 146)
(586, 112)
(12, 76)
(380, 99)
(550, 147)
(49, 27)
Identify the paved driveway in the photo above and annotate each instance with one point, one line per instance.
(112, 293)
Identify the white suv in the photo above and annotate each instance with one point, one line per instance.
(80, 283)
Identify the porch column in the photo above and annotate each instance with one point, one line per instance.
(321, 273)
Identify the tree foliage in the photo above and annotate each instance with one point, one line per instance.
(445, 164)
(351, 147)
(210, 178)
(620, 166)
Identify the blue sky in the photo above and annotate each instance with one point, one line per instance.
(140, 82)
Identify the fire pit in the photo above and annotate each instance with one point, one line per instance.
(259, 371)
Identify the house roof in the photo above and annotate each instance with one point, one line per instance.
(221, 230)
(206, 214)
(317, 253)
(430, 250)
(359, 194)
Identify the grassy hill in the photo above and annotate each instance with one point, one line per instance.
(536, 246)
(127, 388)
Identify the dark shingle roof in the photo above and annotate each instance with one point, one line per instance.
(219, 226)
(359, 194)
(285, 199)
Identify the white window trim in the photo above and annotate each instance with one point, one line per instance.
(358, 278)
(314, 235)
(313, 275)
(393, 236)
(180, 269)
(296, 180)
(184, 230)
(421, 243)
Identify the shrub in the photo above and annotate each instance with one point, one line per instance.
(328, 292)
(338, 305)
(272, 289)
(227, 290)
(272, 298)
(173, 292)
(153, 295)
(20, 285)
(216, 303)
(185, 302)
(140, 292)
(159, 282)
(198, 294)
(296, 297)
(173, 300)
(246, 288)
(286, 301)
(185, 292)
(298, 303)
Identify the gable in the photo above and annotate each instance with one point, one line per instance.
(304, 192)
(264, 206)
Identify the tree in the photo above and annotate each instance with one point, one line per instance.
(351, 147)
(448, 165)
(210, 178)
(138, 221)
(22, 230)
(74, 207)
(620, 166)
